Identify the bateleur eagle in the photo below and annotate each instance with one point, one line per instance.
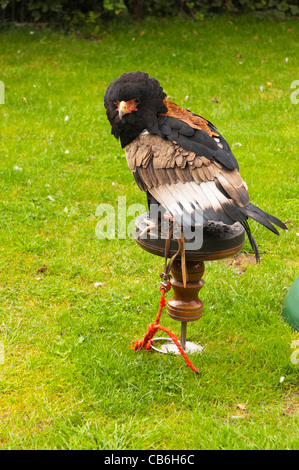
(179, 158)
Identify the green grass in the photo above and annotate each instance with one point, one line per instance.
(69, 380)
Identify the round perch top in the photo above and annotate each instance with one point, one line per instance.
(218, 240)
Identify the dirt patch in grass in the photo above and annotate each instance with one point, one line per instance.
(239, 262)
(291, 405)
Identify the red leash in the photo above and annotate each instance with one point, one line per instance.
(152, 328)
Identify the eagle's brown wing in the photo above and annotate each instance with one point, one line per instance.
(182, 181)
(193, 120)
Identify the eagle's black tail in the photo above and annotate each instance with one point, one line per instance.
(263, 218)
(252, 240)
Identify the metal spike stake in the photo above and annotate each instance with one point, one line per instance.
(183, 334)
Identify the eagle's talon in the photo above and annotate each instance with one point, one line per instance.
(150, 225)
(168, 216)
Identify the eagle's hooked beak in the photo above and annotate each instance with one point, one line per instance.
(125, 107)
(122, 109)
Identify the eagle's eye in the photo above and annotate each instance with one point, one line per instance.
(116, 102)
(137, 101)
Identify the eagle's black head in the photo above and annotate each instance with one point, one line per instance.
(132, 102)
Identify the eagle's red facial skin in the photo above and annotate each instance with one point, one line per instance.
(125, 107)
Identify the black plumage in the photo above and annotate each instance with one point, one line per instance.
(134, 85)
(196, 140)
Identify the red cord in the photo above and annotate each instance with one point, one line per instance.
(147, 341)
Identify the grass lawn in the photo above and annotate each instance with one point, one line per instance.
(69, 379)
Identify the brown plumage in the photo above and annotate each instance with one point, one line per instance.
(194, 121)
(156, 155)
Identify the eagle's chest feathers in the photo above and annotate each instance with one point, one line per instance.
(175, 176)
(163, 153)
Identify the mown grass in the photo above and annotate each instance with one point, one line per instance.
(69, 380)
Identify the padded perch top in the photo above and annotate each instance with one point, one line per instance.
(219, 240)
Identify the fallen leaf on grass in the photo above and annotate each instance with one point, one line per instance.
(243, 414)
(98, 284)
(42, 269)
(215, 99)
(242, 406)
